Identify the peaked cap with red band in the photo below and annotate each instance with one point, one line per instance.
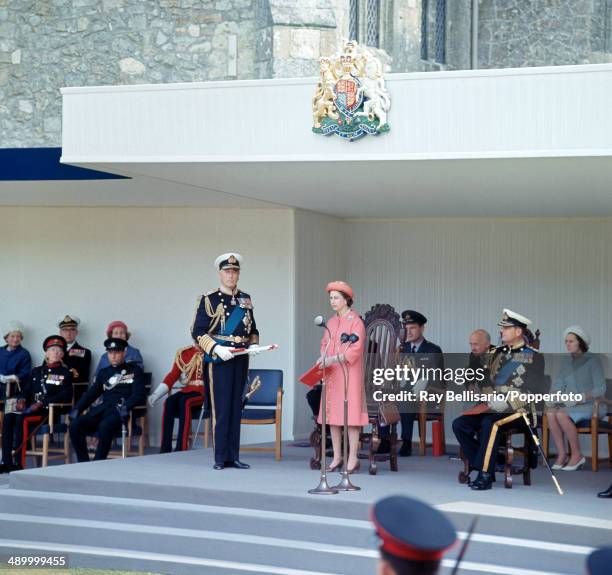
(54, 341)
(410, 529)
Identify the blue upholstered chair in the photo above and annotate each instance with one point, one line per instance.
(265, 407)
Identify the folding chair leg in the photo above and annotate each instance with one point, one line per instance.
(206, 432)
(66, 448)
(422, 434)
(278, 440)
(594, 450)
(45, 450)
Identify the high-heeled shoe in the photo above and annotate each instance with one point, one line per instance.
(560, 465)
(576, 467)
(354, 469)
(337, 467)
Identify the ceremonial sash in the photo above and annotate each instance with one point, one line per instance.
(505, 372)
(230, 325)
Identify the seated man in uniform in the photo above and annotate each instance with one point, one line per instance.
(49, 383)
(121, 388)
(513, 366)
(427, 355)
(414, 536)
(187, 379)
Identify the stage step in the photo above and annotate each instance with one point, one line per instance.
(155, 535)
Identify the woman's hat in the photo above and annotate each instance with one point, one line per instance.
(340, 286)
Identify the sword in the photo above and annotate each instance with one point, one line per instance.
(253, 349)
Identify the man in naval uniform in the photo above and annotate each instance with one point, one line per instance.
(514, 366)
(77, 358)
(224, 321)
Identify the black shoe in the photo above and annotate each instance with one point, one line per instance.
(483, 482)
(607, 494)
(4, 468)
(240, 465)
(218, 466)
(384, 447)
(405, 450)
(16, 467)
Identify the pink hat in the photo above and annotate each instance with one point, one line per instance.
(340, 286)
(113, 324)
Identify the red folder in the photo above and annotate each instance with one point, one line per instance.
(313, 376)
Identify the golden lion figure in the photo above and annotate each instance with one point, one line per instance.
(323, 101)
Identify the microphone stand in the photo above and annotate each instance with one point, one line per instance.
(324, 488)
(345, 483)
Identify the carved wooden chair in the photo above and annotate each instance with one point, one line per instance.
(382, 325)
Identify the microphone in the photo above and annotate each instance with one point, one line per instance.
(319, 321)
(344, 338)
(353, 338)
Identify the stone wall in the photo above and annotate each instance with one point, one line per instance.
(517, 33)
(45, 45)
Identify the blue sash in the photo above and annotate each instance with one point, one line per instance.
(505, 372)
(230, 325)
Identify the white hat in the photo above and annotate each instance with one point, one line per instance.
(577, 330)
(68, 321)
(228, 261)
(12, 326)
(512, 319)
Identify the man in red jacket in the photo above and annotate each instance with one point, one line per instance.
(186, 376)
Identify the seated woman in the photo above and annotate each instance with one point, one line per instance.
(187, 378)
(15, 361)
(49, 383)
(581, 373)
(132, 355)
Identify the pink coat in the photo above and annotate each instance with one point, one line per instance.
(357, 410)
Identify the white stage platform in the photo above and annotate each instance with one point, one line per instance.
(174, 514)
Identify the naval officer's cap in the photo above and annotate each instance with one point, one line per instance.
(412, 530)
(68, 321)
(411, 316)
(512, 319)
(229, 261)
(115, 344)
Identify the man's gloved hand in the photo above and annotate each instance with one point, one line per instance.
(223, 353)
(124, 412)
(498, 406)
(3, 379)
(9, 378)
(74, 413)
(161, 390)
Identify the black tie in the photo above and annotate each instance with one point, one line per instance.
(413, 350)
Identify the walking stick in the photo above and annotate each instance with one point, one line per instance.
(535, 439)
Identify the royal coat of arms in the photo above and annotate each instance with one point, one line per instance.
(351, 99)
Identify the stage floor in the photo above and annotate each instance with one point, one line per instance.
(173, 513)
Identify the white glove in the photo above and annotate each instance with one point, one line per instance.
(253, 351)
(9, 378)
(419, 386)
(161, 390)
(3, 379)
(223, 353)
(499, 406)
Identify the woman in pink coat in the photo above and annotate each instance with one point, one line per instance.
(343, 357)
